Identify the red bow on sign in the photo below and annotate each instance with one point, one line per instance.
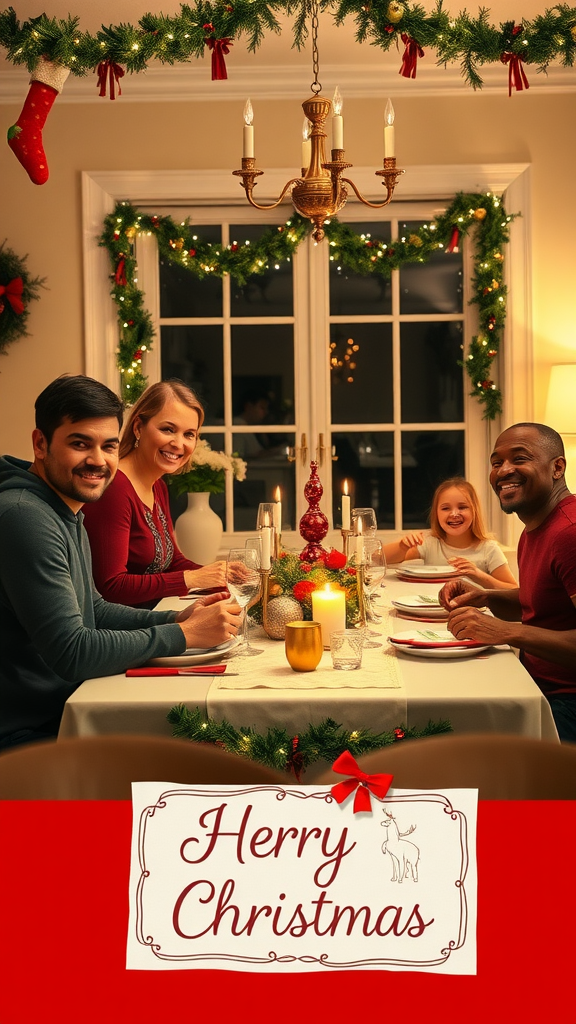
(362, 783)
(410, 59)
(13, 290)
(219, 48)
(516, 73)
(115, 72)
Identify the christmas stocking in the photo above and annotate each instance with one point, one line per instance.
(25, 137)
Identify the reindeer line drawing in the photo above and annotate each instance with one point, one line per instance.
(404, 855)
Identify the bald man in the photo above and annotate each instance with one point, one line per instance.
(539, 618)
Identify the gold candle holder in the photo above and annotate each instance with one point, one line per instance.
(361, 597)
(303, 645)
(277, 543)
(264, 588)
(345, 535)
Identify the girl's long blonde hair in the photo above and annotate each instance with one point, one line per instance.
(477, 527)
(150, 403)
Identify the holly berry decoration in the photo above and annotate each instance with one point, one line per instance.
(25, 136)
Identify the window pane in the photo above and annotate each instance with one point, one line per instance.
(428, 458)
(366, 461)
(194, 355)
(268, 468)
(434, 286)
(361, 387)
(263, 374)
(267, 294)
(356, 294)
(182, 293)
(432, 383)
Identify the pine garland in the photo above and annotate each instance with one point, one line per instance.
(12, 322)
(276, 748)
(471, 41)
(180, 245)
(294, 578)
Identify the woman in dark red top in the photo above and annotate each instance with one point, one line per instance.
(136, 560)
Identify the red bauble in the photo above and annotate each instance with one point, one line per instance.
(335, 560)
(313, 524)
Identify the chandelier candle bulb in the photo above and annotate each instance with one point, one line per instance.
(277, 511)
(329, 609)
(248, 134)
(306, 144)
(389, 146)
(337, 121)
(345, 507)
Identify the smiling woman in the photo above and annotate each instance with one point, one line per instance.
(136, 560)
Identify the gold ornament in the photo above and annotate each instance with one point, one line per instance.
(282, 610)
(480, 213)
(415, 240)
(394, 12)
(130, 232)
(498, 256)
(573, 32)
(495, 284)
(177, 244)
(274, 589)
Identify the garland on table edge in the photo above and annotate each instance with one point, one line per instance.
(362, 254)
(17, 289)
(278, 749)
(203, 26)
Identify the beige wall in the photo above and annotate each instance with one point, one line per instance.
(45, 221)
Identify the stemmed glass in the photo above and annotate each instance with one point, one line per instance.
(367, 517)
(243, 582)
(374, 561)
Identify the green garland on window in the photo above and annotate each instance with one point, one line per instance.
(179, 244)
(456, 38)
(276, 748)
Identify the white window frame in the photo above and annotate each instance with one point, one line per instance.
(101, 190)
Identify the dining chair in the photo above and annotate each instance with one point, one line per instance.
(103, 767)
(501, 767)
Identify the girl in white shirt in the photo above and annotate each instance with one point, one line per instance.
(456, 537)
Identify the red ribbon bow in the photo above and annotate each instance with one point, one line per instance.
(516, 73)
(453, 244)
(219, 48)
(13, 290)
(120, 275)
(410, 59)
(362, 783)
(107, 68)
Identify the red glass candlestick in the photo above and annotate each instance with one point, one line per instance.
(314, 524)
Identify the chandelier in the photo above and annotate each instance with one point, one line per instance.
(321, 190)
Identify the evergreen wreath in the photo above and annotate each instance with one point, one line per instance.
(362, 254)
(471, 41)
(276, 748)
(17, 289)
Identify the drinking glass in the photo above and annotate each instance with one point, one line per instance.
(265, 516)
(303, 645)
(255, 544)
(367, 517)
(243, 582)
(374, 561)
(346, 649)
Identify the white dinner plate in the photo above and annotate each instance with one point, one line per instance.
(438, 652)
(419, 602)
(424, 572)
(197, 656)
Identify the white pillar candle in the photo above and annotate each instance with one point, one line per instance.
(345, 507)
(266, 532)
(277, 512)
(329, 609)
(248, 134)
(389, 144)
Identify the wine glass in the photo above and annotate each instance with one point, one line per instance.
(243, 582)
(374, 561)
(367, 517)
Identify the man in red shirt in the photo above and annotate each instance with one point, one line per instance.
(539, 618)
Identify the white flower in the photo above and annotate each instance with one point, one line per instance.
(205, 456)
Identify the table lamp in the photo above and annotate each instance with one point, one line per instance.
(561, 413)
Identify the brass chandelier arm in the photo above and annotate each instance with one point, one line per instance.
(272, 206)
(366, 202)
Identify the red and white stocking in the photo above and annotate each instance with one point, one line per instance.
(25, 137)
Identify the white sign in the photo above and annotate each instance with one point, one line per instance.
(264, 878)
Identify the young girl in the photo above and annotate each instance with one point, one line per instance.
(457, 536)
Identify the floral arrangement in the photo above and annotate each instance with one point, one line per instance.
(294, 578)
(208, 471)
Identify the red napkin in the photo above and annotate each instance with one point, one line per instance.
(208, 670)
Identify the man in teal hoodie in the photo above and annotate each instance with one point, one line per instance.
(55, 629)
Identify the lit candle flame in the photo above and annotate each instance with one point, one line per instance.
(345, 487)
(337, 101)
(306, 129)
(248, 112)
(277, 494)
(389, 114)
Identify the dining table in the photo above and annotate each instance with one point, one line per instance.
(485, 691)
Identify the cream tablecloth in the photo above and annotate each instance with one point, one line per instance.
(490, 692)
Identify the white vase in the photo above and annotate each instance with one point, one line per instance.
(199, 530)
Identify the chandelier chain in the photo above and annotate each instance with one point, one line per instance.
(316, 86)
